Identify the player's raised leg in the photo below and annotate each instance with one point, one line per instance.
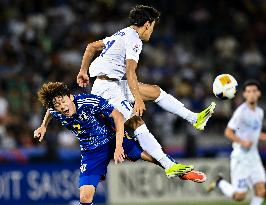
(172, 105)
(134, 152)
(229, 190)
(86, 194)
(149, 144)
(114, 93)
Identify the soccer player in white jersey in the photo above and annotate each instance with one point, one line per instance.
(244, 130)
(118, 60)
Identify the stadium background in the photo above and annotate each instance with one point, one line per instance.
(44, 40)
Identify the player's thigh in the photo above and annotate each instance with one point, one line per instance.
(239, 176)
(113, 91)
(149, 92)
(86, 193)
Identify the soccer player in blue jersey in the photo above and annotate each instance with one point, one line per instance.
(93, 120)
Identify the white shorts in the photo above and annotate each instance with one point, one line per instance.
(244, 175)
(117, 93)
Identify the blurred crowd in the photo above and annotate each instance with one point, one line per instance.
(44, 40)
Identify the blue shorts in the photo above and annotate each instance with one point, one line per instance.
(94, 162)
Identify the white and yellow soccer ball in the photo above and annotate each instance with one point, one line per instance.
(224, 87)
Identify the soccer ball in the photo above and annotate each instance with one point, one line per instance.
(224, 87)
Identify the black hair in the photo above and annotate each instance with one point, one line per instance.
(250, 83)
(49, 91)
(140, 14)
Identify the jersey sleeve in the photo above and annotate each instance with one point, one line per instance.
(235, 121)
(56, 115)
(53, 113)
(133, 48)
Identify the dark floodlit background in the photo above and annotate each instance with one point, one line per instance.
(44, 40)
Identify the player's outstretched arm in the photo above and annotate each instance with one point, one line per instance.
(139, 106)
(40, 132)
(119, 155)
(230, 134)
(92, 48)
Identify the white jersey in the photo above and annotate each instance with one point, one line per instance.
(247, 124)
(124, 44)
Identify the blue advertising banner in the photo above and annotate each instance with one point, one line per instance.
(45, 183)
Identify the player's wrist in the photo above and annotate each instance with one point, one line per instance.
(119, 145)
(44, 126)
(138, 98)
(83, 70)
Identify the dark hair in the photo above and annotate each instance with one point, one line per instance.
(140, 14)
(49, 91)
(250, 83)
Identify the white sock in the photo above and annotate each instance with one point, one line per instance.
(172, 105)
(151, 145)
(227, 189)
(256, 200)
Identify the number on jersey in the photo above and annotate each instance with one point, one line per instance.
(107, 46)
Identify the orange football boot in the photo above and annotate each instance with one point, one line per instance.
(195, 176)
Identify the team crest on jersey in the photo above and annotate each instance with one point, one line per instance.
(136, 48)
(83, 116)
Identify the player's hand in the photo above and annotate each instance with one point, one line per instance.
(246, 144)
(39, 133)
(83, 79)
(119, 155)
(139, 107)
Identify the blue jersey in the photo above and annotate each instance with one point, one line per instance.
(91, 122)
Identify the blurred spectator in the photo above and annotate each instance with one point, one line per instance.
(44, 41)
(252, 61)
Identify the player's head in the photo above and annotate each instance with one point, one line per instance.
(144, 17)
(251, 91)
(57, 96)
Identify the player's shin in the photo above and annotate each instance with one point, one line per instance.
(172, 105)
(151, 146)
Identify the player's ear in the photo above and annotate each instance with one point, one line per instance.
(244, 94)
(259, 93)
(147, 25)
(71, 97)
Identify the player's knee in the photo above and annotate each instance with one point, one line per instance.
(156, 91)
(134, 122)
(149, 92)
(239, 196)
(260, 192)
(86, 195)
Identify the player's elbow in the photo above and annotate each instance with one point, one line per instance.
(228, 132)
(94, 46)
(91, 48)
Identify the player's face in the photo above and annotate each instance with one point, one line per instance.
(251, 94)
(65, 105)
(148, 30)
